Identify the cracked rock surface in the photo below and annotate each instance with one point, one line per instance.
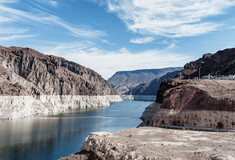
(150, 143)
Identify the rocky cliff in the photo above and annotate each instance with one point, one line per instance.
(50, 75)
(123, 81)
(193, 103)
(197, 103)
(220, 63)
(29, 77)
(151, 88)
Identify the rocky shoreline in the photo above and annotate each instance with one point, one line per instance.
(180, 104)
(32, 83)
(193, 103)
(150, 143)
(25, 106)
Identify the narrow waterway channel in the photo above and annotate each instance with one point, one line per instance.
(59, 135)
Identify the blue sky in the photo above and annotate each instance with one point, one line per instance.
(114, 35)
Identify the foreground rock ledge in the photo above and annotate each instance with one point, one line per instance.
(159, 144)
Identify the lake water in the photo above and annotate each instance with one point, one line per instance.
(52, 137)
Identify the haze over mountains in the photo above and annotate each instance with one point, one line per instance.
(123, 81)
(151, 88)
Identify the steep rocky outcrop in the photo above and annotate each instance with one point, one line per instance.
(197, 103)
(193, 103)
(34, 83)
(51, 75)
(123, 81)
(149, 143)
(220, 63)
(150, 88)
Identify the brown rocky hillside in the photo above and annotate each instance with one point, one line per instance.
(28, 72)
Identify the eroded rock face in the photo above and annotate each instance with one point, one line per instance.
(197, 95)
(32, 83)
(25, 106)
(149, 115)
(49, 74)
(165, 85)
(193, 103)
(220, 63)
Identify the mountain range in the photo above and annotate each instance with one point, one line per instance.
(123, 81)
(151, 88)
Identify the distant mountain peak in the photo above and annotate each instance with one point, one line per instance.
(123, 81)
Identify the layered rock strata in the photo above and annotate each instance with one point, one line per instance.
(149, 143)
(33, 83)
(193, 103)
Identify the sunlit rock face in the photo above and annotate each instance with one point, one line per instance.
(43, 80)
(193, 103)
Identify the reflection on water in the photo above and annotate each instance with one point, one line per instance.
(56, 136)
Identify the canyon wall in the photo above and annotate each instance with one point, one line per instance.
(193, 103)
(24, 106)
(33, 83)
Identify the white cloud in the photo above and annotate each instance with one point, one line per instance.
(14, 37)
(170, 18)
(7, 30)
(108, 62)
(4, 19)
(171, 46)
(100, 2)
(53, 3)
(142, 40)
(49, 2)
(8, 1)
(45, 18)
